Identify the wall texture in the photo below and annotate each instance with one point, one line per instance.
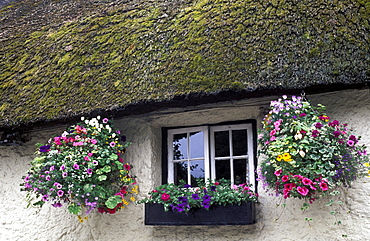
(273, 221)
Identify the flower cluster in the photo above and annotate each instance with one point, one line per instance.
(306, 153)
(183, 197)
(83, 168)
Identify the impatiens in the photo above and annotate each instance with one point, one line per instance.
(305, 152)
(82, 168)
(184, 197)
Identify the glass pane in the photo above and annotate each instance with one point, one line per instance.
(196, 144)
(180, 172)
(223, 169)
(180, 146)
(240, 170)
(240, 142)
(222, 147)
(196, 171)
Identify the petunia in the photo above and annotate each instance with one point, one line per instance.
(350, 143)
(76, 166)
(302, 190)
(60, 193)
(285, 178)
(105, 120)
(95, 163)
(336, 133)
(45, 148)
(165, 197)
(324, 186)
(112, 144)
(64, 174)
(278, 172)
(93, 141)
(195, 196)
(306, 181)
(315, 133)
(318, 125)
(89, 171)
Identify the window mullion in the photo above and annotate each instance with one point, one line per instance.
(231, 157)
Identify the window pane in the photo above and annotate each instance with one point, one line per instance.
(222, 147)
(223, 169)
(240, 170)
(196, 144)
(196, 171)
(180, 172)
(239, 142)
(180, 146)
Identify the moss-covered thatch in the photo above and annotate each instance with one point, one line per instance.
(62, 58)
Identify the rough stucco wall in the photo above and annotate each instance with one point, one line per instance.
(19, 223)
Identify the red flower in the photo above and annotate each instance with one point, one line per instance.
(127, 167)
(165, 197)
(302, 190)
(324, 186)
(285, 178)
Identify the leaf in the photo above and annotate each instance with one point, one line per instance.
(102, 177)
(74, 208)
(113, 201)
(106, 169)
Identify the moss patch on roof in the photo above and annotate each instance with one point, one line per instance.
(109, 54)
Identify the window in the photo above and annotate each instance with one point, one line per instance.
(211, 152)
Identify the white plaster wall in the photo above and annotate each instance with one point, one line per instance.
(273, 222)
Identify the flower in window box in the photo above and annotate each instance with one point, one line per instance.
(310, 153)
(83, 168)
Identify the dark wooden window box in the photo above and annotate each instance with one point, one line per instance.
(217, 215)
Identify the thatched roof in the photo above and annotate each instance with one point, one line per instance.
(64, 58)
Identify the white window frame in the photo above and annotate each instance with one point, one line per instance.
(209, 150)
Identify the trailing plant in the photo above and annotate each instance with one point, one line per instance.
(184, 197)
(83, 168)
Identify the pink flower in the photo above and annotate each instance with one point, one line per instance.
(86, 158)
(306, 181)
(278, 172)
(315, 133)
(90, 154)
(350, 143)
(112, 144)
(273, 138)
(89, 171)
(324, 186)
(165, 197)
(105, 120)
(318, 125)
(80, 143)
(285, 178)
(302, 190)
(76, 166)
(302, 114)
(93, 141)
(127, 167)
(57, 140)
(273, 132)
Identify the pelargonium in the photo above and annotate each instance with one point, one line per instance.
(306, 153)
(82, 169)
(184, 197)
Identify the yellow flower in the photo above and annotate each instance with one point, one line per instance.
(124, 202)
(288, 160)
(279, 157)
(286, 156)
(133, 199)
(367, 164)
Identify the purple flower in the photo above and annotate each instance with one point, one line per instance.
(89, 171)
(333, 123)
(195, 196)
(44, 148)
(318, 125)
(64, 174)
(213, 188)
(350, 143)
(48, 178)
(56, 205)
(336, 133)
(60, 193)
(123, 138)
(76, 166)
(62, 167)
(315, 133)
(187, 185)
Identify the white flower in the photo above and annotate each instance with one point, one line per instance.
(298, 136)
(302, 153)
(65, 134)
(82, 118)
(113, 135)
(98, 117)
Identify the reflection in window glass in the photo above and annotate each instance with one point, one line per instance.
(222, 147)
(240, 167)
(223, 169)
(181, 172)
(196, 144)
(180, 146)
(239, 142)
(196, 171)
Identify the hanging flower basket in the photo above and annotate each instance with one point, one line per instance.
(306, 153)
(82, 168)
(211, 203)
